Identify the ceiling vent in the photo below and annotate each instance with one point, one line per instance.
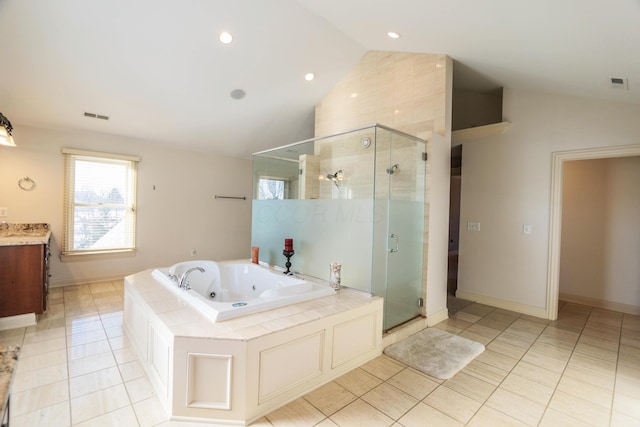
(96, 116)
(618, 83)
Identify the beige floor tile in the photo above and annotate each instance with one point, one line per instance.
(532, 326)
(553, 418)
(383, 367)
(324, 423)
(555, 351)
(589, 362)
(91, 364)
(357, 413)
(515, 339)
(297, 413)
(330, 398)
(468, 317)
(358, 381)
(41, 361)
(453, 404)
(485, 372)
(86, 337)
(528, 389)
(487, 416)
(507, 349)
(131, 371)
(579, 409)
(413, 383)
(518, 407)
(45, 346)
(124, 355)
(537, 374)
(478, 309)
(628, 387)
(494, 324)
(90, 349)
(39, 377)
(456, 323)
(118, 343)
(39, 397)
(627, 405)
(139, 389)
(471, 386)
(423, 415)
(619, 419)
(47, 334)
(390, 400)
(57, 415)
(94, 381)
(124, 417)
(593, 351)
(610, 343)
(98, 403)
(150, 412)
(544, 361)
(497, 359)
(586, 391)
(629, 356)
(598, 379)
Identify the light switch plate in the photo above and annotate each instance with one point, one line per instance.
(473, 226)
(4, 212)
(527, 229)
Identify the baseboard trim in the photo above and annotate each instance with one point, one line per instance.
(506, 305)
(86, 281)
(607, 305)
(437, 317)
(18, 321)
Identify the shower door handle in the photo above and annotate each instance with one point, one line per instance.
(397, 239)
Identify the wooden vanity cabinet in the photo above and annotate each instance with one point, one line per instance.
(23, 279)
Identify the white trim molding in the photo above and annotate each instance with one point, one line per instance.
(506, 305)
(555, 221)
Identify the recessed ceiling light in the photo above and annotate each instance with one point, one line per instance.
(225, 37)
(238, 94)
(393, 35)
(309, 76)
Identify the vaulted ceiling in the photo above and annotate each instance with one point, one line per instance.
(157, 69)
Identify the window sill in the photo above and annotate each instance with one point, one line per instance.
(98, 255)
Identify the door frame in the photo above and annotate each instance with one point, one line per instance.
(555, 220)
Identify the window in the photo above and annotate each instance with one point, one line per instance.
(99, 204)
(269, 189)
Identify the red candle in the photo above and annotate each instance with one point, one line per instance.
(288, 244)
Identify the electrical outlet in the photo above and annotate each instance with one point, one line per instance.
(473, 226)
(4, 212)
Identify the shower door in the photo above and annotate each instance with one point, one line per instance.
(399, 229)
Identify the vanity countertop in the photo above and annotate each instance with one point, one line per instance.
(8, 362)
(24, 234)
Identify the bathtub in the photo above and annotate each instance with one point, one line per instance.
(228, 289)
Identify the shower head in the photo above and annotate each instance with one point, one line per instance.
(392, 169)
(335, 177)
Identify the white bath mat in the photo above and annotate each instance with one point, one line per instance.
(435, 352)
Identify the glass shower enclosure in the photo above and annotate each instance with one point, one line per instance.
(356, 198)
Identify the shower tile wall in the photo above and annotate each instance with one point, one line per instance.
(404, 91)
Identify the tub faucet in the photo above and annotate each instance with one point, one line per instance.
(182, 283)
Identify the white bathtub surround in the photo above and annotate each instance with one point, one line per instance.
(236, 371)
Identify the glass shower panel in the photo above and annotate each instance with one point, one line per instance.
(403, 180)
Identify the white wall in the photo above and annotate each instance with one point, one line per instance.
(506, 183)
(178, 215)
(601, 230)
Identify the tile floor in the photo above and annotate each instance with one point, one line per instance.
(77, 368)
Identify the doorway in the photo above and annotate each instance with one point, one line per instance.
(555, 226)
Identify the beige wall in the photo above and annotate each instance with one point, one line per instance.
(506, 182)
(178, 215)
(411, 93)
(601, 230)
